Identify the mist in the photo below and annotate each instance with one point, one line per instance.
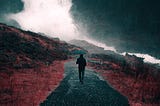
(131, 26)
(114, 27)
(51, 17)
(147, 58)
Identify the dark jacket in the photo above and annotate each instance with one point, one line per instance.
(81, 63)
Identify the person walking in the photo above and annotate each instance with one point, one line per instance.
(81, 61)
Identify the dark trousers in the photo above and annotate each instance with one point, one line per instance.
(81, 75)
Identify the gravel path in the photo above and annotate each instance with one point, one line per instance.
(94, 92)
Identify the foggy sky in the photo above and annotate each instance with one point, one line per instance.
(128, 25)
(51, 17)
(7, 7)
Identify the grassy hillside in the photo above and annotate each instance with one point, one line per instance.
(31, 66)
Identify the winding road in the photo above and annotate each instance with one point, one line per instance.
(94, 92)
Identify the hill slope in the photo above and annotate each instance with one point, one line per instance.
(21, 48)
(31, 66)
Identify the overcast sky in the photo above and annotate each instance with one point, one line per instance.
(127, 25)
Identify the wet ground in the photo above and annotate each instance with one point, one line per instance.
(94, 92)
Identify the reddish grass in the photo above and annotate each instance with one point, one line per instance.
(29, 87)
(139, 91)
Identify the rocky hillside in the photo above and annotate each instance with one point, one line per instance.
(91, 48)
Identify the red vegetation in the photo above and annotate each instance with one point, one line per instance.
(29, 87)
(139, 82)
(31, 66)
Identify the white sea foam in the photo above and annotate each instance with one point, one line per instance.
(147, 58)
